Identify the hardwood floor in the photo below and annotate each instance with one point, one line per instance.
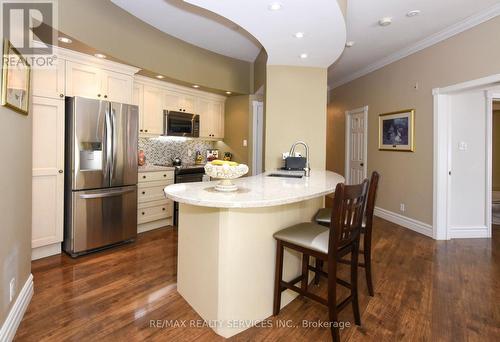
(424, 291)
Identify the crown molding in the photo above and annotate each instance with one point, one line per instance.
(435, 38)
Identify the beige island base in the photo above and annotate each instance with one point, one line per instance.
(226, 252)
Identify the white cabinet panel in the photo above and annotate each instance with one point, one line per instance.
(117, 87)
(49, 82)
(173, 101)
(138, 100)
(188, 104)
(48, 163)
(211, 118)
(83, 80)
(153, 110)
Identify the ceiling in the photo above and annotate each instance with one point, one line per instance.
(321, 22)
(196, 26)
(373, 43)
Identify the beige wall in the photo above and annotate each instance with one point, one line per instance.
(295, 110)
(407, 177)
(496, 151)
(15, 204)
(237, 125)
(259, 73)
(115, 32)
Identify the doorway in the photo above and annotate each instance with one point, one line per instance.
(463, 144)
(258, 137)
(356, 135)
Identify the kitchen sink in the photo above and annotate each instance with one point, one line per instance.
(284, 175)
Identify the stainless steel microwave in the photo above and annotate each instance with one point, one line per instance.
(179, 124)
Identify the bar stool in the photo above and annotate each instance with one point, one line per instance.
(323, 217)
(327, 244)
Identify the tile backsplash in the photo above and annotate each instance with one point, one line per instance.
(161, 150)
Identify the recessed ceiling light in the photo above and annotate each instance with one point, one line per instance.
(303, 55)
(228, 92)
(65, 40)
(413, 13)
(385, 21)
(195, 86)
(160, 76)
(350, 43)
(100, 55)
(299, 35)
(274, 6)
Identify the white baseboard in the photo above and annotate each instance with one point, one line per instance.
(16, 313)
(45, 251)
(468, 232)
(417, 226)
(145, 227)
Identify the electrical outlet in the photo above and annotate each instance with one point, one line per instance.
(12, 289)
(402, 207)
(245, 143)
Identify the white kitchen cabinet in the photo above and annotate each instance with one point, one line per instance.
(49, 82)
(48, 176)
(138, 100)
(153, 209)
(93, 82)
(117, 87)
(83, 80)
(179, 102)
(211, 118)
(153, 105)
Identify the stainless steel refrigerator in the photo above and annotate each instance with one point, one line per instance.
(101, 174)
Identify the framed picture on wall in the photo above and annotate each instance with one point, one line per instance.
(15, 79)
(396, 131)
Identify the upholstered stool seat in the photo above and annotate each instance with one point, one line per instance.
(308, 235)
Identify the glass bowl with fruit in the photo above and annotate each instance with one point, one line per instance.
(225, 171)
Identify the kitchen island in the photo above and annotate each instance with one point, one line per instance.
(226, 249)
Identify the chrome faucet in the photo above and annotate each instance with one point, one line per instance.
(307, 169)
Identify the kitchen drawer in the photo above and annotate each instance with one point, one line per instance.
(152, 191)
(156, 176)
(150, 214)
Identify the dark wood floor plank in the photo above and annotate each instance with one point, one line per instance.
(425, 290)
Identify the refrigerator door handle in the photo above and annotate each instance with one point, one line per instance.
(109, 145)
(113, 141)
(107, 194)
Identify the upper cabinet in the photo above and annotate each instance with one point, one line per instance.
(180, 102)
(153, 97)
(49, 82)
(94, 82)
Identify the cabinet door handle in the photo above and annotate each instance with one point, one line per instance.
(140, 130)
(61, 95)
(143, 177)
(164, 175)
(105, 96)
(98, 95)
(144, 192)
(146, 130)
(143, 213)
(61, 171)
(163, 209)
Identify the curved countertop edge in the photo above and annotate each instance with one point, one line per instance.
(258, 203)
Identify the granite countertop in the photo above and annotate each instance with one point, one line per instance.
(153, 168)
(257, 191)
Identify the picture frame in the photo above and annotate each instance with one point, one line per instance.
(396, 131)
(16, 73)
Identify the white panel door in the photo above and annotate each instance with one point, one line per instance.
(49, 82)
(83, 80)
(153, 110)
(117, 87)
(467, 196)
(48, 166)
(356, 148)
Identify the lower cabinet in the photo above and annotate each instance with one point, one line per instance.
(153, 209)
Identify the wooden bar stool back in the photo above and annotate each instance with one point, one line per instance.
(327, 244)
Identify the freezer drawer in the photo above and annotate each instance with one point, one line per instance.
(102, 217)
